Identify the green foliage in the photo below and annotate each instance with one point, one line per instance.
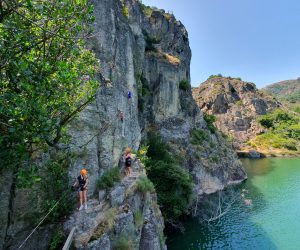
(210, 119)
(57, 239)
(150, 42)
(198, 136)
(297, 109)
(215, 159)
(239, 103)
(172, 183)
(215, 76)
(283, 130)
(286, 91)
(125, 9)
(28, 176)
(144, 185)
(276, 118)
(138, 218)
(275, 141)
(123, 243)
(146, 9)
(184, 85)
(109, 178)
(47, 74)
(55, 187)
(162, 239)
(142, 154)
(143, 91)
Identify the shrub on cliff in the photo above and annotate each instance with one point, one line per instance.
(184, 85)
(55, 187)
(215, 76)
(172, 183)
(210, 119)
(144, 185)
(150, 42)
(198, 136)
(283, 130)
(109, 178)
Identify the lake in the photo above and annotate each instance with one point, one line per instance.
(271, 222)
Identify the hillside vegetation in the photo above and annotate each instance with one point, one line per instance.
(288, 92)
(282, 133)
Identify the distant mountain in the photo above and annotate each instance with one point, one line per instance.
(287, 91)
(236, 105)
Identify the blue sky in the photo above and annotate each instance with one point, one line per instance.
(257, 40)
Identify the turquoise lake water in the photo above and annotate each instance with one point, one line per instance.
(271, 222)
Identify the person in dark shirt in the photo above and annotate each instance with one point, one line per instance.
(82, 184)
(128, 162)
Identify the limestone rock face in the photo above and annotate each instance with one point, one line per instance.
(146, 53)
(236, 105)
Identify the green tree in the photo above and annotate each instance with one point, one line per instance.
(47, 75)
(172, 182)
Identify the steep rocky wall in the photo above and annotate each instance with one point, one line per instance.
(147, 53)
(236, 105)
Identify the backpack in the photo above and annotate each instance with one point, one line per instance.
(128, 161)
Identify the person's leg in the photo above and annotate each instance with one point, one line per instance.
(85, 198)
(80, 199)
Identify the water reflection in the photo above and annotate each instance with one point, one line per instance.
(236, 229)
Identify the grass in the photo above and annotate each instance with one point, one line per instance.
(172, 59)
(123, 243)
(198, 136)
(57, 239)
(109, 178)
(184, 85)
(215, 159)
(125, 11)
(283, 132)
(146, 9)
(210, 119)
(150, 42)
(144, 185)
(138, 218)
(106, 224)
(239, 103)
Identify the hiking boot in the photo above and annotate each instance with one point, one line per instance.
(85, 206)
(81, 207)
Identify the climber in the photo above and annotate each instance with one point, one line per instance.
(121, 116)
(129, 95)
(82, 183)
(248, 202)
(128, 161)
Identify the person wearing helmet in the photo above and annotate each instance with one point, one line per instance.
(82, 183)
(128, 162)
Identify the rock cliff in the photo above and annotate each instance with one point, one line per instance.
(236, 105)
(145, 52)
(122, 217)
